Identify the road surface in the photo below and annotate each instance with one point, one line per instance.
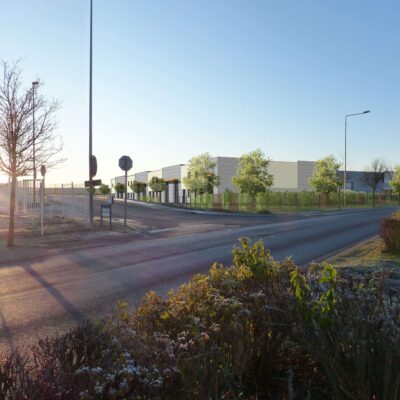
(45, 295)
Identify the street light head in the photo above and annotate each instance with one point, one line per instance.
(35, 83)
(366, 112)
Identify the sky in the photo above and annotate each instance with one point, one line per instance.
(175, 78)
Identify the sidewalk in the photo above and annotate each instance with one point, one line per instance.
(29, 249)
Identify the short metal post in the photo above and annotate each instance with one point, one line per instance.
(72, 200)
(42, 205)
(62, 200)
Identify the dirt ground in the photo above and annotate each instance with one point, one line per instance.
(58, 231)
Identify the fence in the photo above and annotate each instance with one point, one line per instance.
(288, 201)
(68, 200)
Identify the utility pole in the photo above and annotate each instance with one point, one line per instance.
(34, 84)
(90, 120)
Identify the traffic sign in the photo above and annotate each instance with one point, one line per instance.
(43, 170)
(94, 182)
(125, 163)
(93, 166)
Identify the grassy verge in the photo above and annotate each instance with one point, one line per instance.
(368, 254)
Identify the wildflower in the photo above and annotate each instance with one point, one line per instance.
(110, 378)
(183, 347)
(97, 370)
(99, 390)
(205, 336)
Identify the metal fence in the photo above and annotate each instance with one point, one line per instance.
(68, 200)
(288, 201)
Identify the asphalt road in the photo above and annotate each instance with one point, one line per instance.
(42, 296)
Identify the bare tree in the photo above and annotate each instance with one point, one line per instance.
(374, 175)
(16, 133)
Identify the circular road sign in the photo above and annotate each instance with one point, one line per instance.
(43, 170)
(125, 163)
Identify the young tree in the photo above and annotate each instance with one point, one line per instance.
(374, 175)
(119, 188)
(18, 142)
(395, 182)
(325, 178)
(201, 177)
(137, 187)
(252, 175)
(104, 189)
(157, 185)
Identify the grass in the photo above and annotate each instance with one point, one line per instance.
(368, 255)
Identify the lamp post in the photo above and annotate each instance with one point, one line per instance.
(90, 120)
(34, 84)
(345, 152)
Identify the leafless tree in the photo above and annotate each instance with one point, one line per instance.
(374, 175)
(16, 133)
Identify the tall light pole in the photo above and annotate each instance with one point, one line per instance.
(34, 84)
(345, 151)
(90, 119)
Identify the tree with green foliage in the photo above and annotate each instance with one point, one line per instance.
(104, 189)
(157, 185)
(252, 175)
(137, 187)
(325, 178)
(395, 182)
(119, 188)
(201, 177)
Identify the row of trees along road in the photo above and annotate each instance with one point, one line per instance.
(253, 177)
(18, 143)
(325, 178)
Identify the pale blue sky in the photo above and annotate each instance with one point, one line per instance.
(173, 79)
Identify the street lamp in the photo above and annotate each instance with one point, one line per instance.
(90, 120)
(34, 84)
(345, 151)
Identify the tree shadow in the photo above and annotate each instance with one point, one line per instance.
(74, 313)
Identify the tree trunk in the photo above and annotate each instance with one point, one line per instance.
(11, 222)
(373, 198)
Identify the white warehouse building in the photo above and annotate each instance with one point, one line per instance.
(288, 176)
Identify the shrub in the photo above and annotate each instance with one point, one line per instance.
(390, 233)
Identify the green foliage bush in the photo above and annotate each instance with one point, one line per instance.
(261, 329)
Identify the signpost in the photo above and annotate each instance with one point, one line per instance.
(105, 212)
(125, 163)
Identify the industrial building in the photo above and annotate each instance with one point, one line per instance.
(288, 176)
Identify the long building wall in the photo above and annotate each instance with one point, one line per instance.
(288, 176)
